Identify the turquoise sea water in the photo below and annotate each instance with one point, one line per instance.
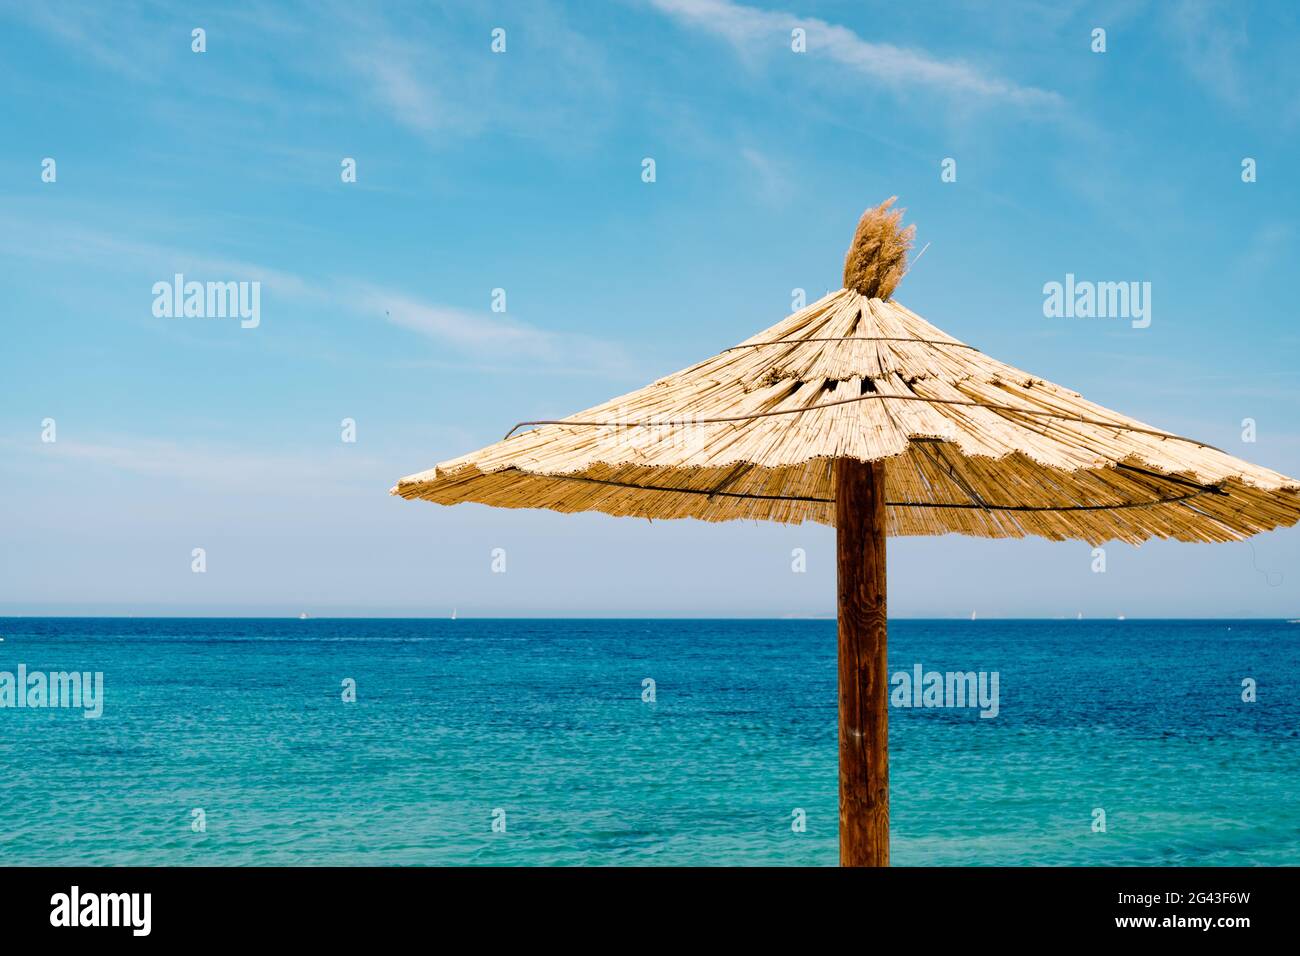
(545, 720)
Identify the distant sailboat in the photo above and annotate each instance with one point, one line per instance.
(303, 616)
(453, 614)
(1079, 616)
(1121, 617)
(972, 615)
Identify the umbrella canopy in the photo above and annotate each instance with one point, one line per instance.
(855, 412)
(974, 446)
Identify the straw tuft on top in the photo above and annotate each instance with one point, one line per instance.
(877, 258)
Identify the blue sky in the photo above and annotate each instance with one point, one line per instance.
(522, 171)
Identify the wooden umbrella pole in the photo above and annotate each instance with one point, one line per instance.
(863, 668)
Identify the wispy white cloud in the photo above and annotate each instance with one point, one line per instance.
(436, 88)
(487, 334)
(1211, 45)
(749, 29)
(53, 240)
(415, 72)
(396, 86)
(476, 334)
(771, 178)
(202, 464)
(94, 31)
(394, 72)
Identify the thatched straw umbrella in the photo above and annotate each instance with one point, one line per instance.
(857, 413)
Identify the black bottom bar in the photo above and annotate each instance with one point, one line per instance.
(212, 905)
